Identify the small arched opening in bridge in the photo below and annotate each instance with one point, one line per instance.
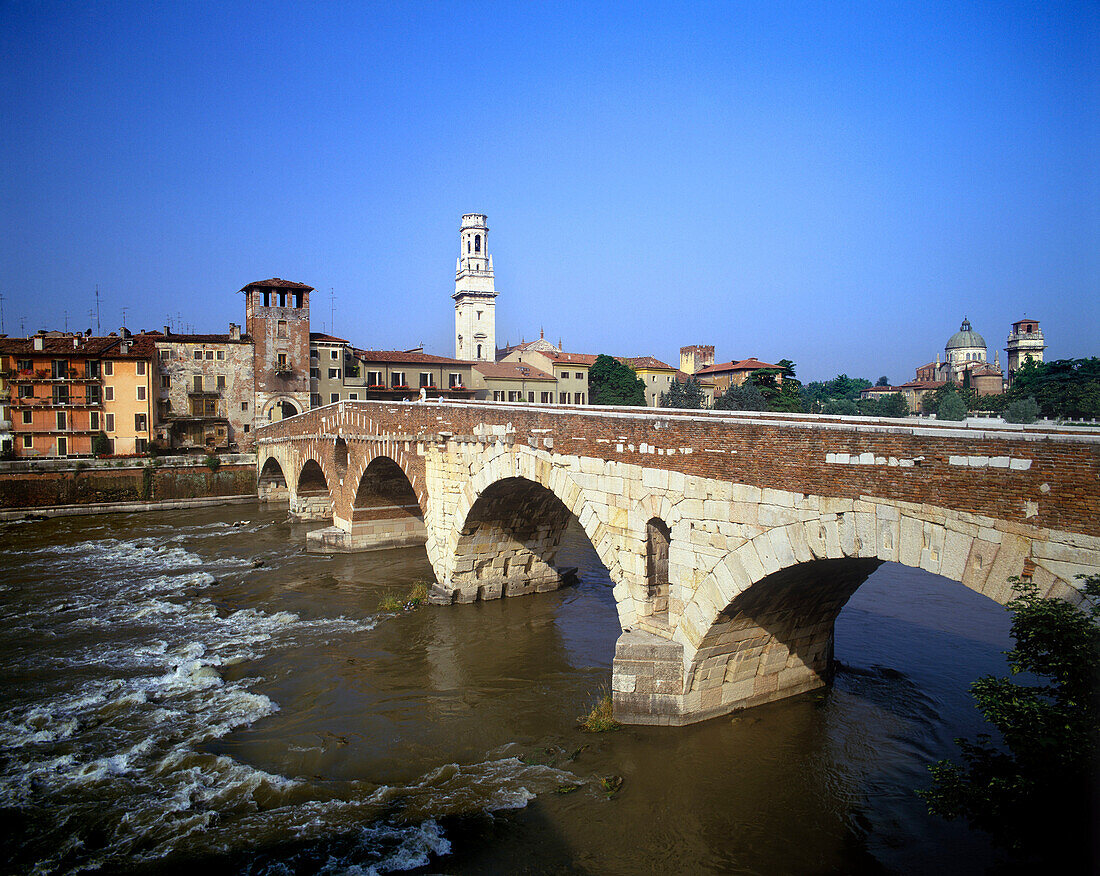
(340, 458)
(271, 484)
(657, 543)
(510, 542)
(386, 512)
(313, 501)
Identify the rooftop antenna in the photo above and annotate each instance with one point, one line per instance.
(98, 330)
(66, 320)
(22, 327)
(331, 310)
(124, 309)
(91, 317)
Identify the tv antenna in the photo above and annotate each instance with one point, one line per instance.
(331, 310)
(124, 309)
(98, 330)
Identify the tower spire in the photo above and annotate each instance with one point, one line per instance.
(475, 292)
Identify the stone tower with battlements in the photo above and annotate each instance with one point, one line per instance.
(475, 293)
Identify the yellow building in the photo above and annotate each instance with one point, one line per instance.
(127, 394)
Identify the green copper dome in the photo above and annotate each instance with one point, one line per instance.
(965, 337)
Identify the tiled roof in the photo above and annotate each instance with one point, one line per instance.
(649, 362)
(571, 358)
(511, 371)
(276, 283)
(749, 364)
(199, 339)
(57, 346)
(323, 338)
(923, 384)
(702, 380)
(403, 356)
(140, 347)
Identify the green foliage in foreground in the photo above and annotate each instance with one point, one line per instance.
(416, 597)
(687, 395)
(1033, 792)
(599, 718)
(611, 382)
(1062, 388)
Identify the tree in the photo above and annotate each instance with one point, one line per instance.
(1033, 793)
(840, 407)
(883, 381)
(611, 382)
(931, 402)
(1062, 388)
(1024, 410)
(745, 397)
(687, 395)
(893, 404)
(951, 408)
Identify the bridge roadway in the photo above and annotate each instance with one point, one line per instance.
(733, 538)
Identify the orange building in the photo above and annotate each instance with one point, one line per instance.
(127, 370)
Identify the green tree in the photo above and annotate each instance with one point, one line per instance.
(840, 407)
(883, 381)
(892, 404)
(611, 382)
(745, 397)
(951, 408)
(1062, 388)
(1034, 792)
(687, 395)
(1024, 410)
(931, 402)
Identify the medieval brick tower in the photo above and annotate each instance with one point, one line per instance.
(475, 293)
(277, 319)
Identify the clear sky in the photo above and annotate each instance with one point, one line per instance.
(835, 183)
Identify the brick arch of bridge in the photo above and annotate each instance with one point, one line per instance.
(524, 464)
(760, 625)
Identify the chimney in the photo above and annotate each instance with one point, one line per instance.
(124, 332)
(234, 332)
(167, 331)
(76, 342)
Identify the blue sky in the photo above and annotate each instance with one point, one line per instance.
(835, 183)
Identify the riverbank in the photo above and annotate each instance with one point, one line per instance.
(61, 487)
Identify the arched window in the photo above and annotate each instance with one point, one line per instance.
(467, 246)
(479, 351)
(477, 243)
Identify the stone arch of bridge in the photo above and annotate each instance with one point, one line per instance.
(530, 478)
(312, 496)
(760, 625)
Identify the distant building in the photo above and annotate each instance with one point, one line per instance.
(475, 293)
(405, 374)
(128, 368)
(277, 321)
(736, 373)
(655, 374)
(514, 382)
(1025, 341)
(965, 363)
(695, 358)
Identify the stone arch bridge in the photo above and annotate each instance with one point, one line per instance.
(733, 539)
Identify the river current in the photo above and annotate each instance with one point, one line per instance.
(190, 689)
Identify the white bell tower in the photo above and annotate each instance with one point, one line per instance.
(475, 293)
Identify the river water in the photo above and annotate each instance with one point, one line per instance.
(191, 689)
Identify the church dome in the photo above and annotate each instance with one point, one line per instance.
(965, 338)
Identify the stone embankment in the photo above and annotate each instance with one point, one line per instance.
(57, 487)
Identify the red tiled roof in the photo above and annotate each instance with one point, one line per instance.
(570, 358)
(403, 356)
(749, 364)
(57, 346)
(682, 377)
(511, 371)
(276, 283)
(140, 347)
(923, 384)
(647, 362)
(321, 336)
(198, 339)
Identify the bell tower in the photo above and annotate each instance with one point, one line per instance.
(475, 293)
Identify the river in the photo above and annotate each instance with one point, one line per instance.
(190, 689)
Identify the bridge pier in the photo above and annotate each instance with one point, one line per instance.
(378, 534)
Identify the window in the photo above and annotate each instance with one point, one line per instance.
(210, 355)
(315, 400)
(91, 395)
(246, 427)
(28, 418)
(353, 396)
(280, 329)
(334, 373)
(140, 368)
(427, 378)
(244, 406)
(530, 397)
(479, 345)
(60, 368)
(26, 390)
(93, 421)
(108, 369)
(61, 395)
(374, 378)
(197, 382)
(110, 422)
(579, 398)
(498, 395)
(281, 362)
(167, 354)
(198, 354)
(314, 373)
(91, 368)
(108, 393)
(564, 375)
(26, 365)
(334, 354)
(62, 446)
(221, 381)
(140, 445)
(334, 397)
(397, 378)
(141, 392)
(139, 422)
(61, 419)
(563, 398)
(477, 243)
(455, 380)
(28, 442)
(165, 382)
(313, 354)
(221, 355)
(579, 375)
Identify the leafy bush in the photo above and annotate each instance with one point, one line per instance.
(212, 462)
(1022, 411)
(952, 408)
(101, 446)
(599, 718)
(745, 397)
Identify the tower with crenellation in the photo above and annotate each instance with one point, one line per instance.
(475, 293)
